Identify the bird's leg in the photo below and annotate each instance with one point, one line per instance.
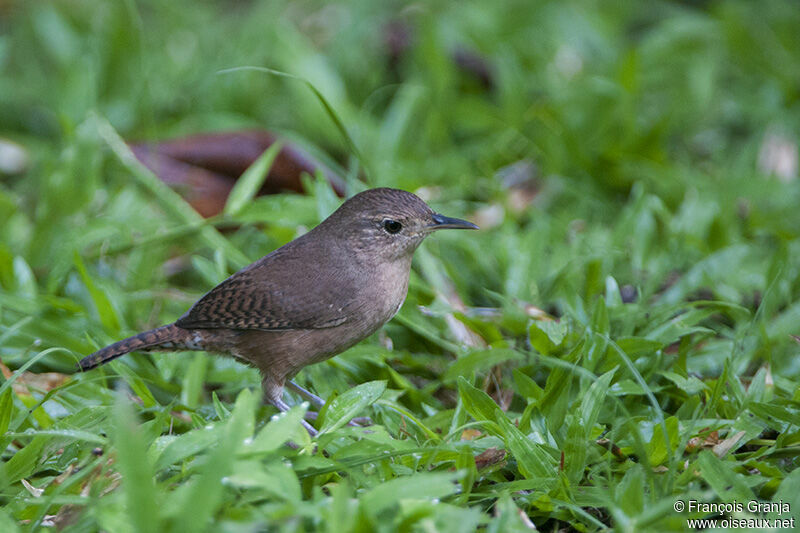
(283, 407)
(360, 421)
(273, 393)
(308, 395)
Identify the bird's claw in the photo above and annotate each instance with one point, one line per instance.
(360, 422)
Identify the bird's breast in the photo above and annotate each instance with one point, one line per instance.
(387, 292)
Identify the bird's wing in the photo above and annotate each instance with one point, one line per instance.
(283, 290)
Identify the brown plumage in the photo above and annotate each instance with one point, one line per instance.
(310, 299)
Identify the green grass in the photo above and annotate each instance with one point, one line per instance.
(642, 126)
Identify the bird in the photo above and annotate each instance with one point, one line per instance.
(308, 300)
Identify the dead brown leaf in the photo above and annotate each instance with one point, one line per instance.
(470, 434)
(204, 167)
(696, 443)
(722, 449)
(46, 381)
(489, 457)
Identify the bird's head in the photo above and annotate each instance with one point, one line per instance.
(389, 222)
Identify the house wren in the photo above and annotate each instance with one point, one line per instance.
(308, 300)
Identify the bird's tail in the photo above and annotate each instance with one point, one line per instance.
(166, 337)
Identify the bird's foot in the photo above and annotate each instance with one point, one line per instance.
(360, 421)
(283, 407)
(311, 431)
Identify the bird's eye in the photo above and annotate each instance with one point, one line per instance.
(392, 226)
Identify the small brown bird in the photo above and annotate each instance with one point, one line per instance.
(308, 300)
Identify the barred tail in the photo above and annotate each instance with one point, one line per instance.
(168, 335)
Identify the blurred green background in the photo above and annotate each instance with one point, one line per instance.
(633, 166)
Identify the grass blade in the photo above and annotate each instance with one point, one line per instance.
(322, 100)
(347, 405)
(249, 183)
(169, 200)
(136, 469)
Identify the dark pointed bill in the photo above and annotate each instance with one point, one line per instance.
(443, 222)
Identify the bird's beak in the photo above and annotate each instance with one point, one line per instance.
(443, 222)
